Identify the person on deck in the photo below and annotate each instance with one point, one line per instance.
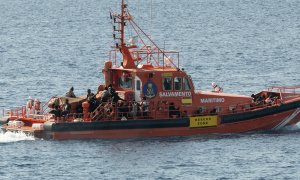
(89, 94)
(79, 110)
(70, 93)
(134, 109)
(66, 109)
(145, 107)
(111, 90)
(105, 95)
(116, 98)
(56, 112)
(114, 95)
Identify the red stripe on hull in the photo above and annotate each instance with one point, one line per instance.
(263, 123)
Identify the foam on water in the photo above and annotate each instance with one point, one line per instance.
(8, 137)
(291, 129)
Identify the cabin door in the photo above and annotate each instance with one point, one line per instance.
(137, 89)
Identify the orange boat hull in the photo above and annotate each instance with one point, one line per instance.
(259, 124)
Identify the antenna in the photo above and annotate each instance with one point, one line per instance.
(122, 23)
(151, 16)
(138, 10)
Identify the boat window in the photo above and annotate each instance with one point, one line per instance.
(167, 83)
(201, 110)
(125, 82)
(177, 83)
(186, 84)
(247, 107)
(138, 85)
(218, 109)
(232, 108)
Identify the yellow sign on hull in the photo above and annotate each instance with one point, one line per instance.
(203, 121)
(187, 101)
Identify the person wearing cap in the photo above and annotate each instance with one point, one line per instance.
(70, 93)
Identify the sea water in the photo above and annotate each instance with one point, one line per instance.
(244, 46)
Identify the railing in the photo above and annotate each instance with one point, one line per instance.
(131, 110)
(134, 110)
(162, 110)
(162, 58)
(239, 108)
(44, 107)
(285, 89)
(22, 112)
(14, 113)
(286, 92)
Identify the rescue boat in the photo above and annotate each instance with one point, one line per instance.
(147, 94)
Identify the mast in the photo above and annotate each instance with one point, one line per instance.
(122, 23)
(128, 61)
(129, 52)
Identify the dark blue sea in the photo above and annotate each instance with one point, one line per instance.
(243, 45)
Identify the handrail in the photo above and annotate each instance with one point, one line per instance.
(145, 55)
(282, 89)
(153, 112)
(158, 109)
(43, 110)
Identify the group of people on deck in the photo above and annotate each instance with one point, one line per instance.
(62, 111)
(133, 109)
(110, 101)
(262, 99)
(110, 94)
